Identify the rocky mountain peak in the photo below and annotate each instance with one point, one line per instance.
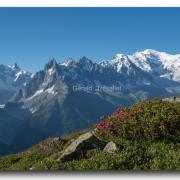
(15, 67)
(52, 64)
(12, 78)
(69, 62)
(150, 51)
(85, 60)
(120, 57)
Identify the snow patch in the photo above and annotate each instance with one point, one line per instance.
(33, 110)
(50, 71)
(51, 90)
(41, 91)
(69, 62)
(18, 75)
(36, 93)
(2, 106)
(118, 62)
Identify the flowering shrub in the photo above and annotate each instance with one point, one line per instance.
(120, 113)
(104, 125)
(104, 128)
(149, 120)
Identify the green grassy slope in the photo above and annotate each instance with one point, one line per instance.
(147, 136)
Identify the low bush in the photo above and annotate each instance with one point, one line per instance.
(148, 120)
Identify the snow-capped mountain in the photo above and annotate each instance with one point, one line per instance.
(69, 96)
(12, 78)
(157, 63)
(119, 71)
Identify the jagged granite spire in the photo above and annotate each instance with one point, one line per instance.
(15, 67)
(51, 64)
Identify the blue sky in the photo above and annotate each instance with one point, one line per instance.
(32, 36)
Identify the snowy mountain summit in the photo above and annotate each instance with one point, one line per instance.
(158, 63)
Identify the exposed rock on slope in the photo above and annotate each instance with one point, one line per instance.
(81, 145)
(110, 147)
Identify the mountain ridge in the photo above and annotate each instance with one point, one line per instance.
(12, 78)
(50, 105)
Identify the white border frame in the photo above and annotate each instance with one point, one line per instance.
(90, 3)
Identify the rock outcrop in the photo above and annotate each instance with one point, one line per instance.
(80, 146)
(110, 147)
(172, 99)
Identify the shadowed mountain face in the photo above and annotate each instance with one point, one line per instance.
(63, 98)
(12, 78)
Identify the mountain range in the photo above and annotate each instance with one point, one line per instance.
(70, 96)
(12, 78)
